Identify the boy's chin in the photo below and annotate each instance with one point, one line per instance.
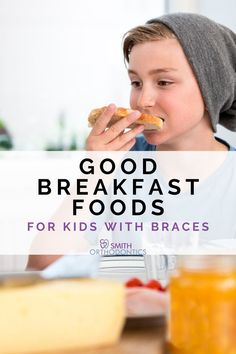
(151, 136)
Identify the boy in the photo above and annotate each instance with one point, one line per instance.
(182, 67)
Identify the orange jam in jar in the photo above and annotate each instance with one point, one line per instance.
(203, 305)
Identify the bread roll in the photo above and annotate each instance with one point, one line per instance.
(149, 121)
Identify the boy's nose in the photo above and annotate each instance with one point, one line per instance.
(146, 99)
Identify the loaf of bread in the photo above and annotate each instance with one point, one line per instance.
(149, 121)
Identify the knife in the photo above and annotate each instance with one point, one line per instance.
(66, 267)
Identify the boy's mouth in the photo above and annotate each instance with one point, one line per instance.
(153, 128)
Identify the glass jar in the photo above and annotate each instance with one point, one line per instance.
(203, 305)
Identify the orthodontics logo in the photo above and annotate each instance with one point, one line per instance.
(109, 248)
(104, 243)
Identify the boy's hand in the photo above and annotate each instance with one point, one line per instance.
(114, 138)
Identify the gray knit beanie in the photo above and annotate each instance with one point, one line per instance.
(211, 51)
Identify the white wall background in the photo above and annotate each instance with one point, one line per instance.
(63, 56)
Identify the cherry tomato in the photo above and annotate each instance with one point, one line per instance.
(155, 285)
(133, 282)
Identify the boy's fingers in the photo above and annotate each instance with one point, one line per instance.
(102, 122)
(128, 146)
(125, 138)
(116, 129)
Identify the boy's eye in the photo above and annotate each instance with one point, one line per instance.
(164, 83)
(135, 83)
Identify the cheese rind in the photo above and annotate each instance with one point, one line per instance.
(60, 315)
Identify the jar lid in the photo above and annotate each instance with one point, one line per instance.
(200, 262)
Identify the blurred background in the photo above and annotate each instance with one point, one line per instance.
(61, 58)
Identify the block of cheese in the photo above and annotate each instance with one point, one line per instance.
(60, 316)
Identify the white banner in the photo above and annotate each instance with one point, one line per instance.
(117, 203)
